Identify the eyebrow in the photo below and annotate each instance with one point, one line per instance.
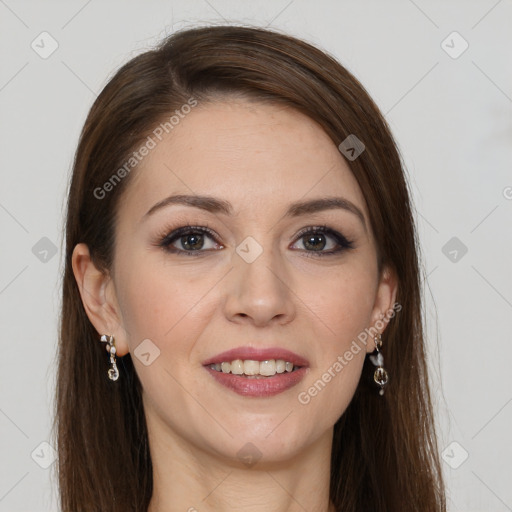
(214, 205)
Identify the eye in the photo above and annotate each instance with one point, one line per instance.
(195, 240)
(322, 241)
(189, 240)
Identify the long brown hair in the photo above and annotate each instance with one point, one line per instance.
(384, 455)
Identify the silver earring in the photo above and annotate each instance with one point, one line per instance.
(113, 372)
(380, 375)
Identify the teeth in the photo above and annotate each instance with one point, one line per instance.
(280, 366)
(251, 367)
(254, 368)
(268, 368)
(237, 367)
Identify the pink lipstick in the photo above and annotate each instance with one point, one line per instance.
(256, 372)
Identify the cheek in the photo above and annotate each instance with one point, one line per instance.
(340, 303)
(339, 309)
(170, 309)
(342, 313)
(162, 304)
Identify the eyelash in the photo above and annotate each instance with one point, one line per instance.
(166, 239)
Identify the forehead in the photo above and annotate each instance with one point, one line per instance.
(251, 154)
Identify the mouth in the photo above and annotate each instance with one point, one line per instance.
(257, 372)
(252, 369)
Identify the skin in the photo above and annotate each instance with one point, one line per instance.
(260, 158)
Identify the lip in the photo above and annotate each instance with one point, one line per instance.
(264, 387)
(258, 387)
(257, 354)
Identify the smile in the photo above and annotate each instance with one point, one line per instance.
(257, 372)
(255, 369)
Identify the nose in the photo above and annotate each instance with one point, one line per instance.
(260, 292)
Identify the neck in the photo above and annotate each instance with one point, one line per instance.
(188, 478)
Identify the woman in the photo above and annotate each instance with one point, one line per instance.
(240, 239)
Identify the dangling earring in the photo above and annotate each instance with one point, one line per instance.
(380, 375)
(113, 372)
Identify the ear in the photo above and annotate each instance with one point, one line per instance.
(99, 297)
(384, 303)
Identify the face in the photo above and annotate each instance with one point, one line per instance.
(247, 260)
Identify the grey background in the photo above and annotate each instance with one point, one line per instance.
(452, 118)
